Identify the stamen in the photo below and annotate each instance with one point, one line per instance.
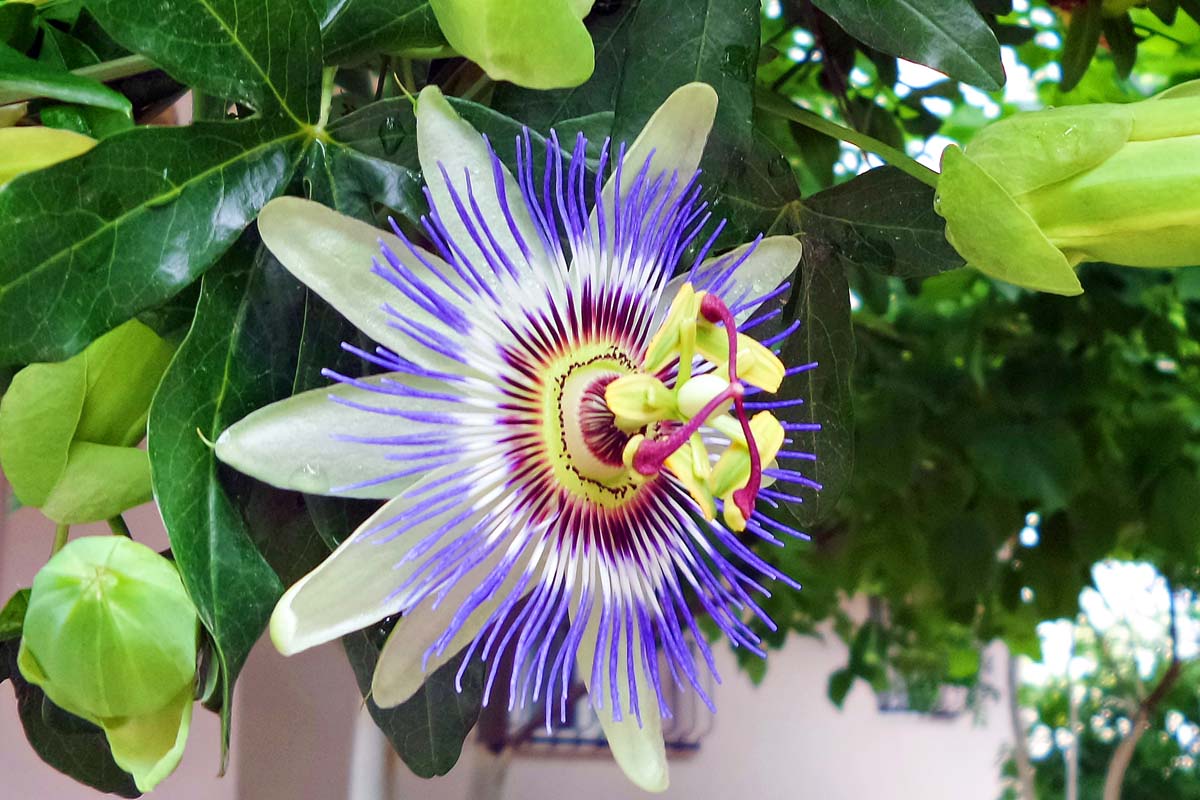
(714, 310)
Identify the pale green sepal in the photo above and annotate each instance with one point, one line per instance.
(639, 750)
(124, 367)
(995, 235)
(675, 134)
(99, 482)
(1186, 89)
(1028, 151)
(356, 585)
(28, 149)
(150, 746)
(402, 667)
(38, 417)
(773, 261)
(1131, 209)
(332, 253)
(293, 444)
(446, 142)
(540, 44)
(581, 7)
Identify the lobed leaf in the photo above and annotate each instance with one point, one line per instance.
(239, 355)
(95, 240)
(948, 35)
(263, 53)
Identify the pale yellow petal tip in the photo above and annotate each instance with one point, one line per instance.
(283, 625)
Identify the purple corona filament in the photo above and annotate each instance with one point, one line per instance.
(537, 535)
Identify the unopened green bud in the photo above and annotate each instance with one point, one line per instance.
(541, 44)
(1035, 195)
(110, 636)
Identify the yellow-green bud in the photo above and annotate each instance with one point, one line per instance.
(110, 636)
(1035, 195)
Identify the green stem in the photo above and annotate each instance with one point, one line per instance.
(104, 71)
(118, 527)
(327, 76)
(477, 87)
(780, 107)
(61, 532)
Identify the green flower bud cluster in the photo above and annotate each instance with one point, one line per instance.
(110, 636)
(69, 430)
(1035, 195)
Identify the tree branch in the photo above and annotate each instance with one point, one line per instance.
(1123, 755)
(1025, 774)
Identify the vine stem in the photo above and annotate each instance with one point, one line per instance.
(118, 527)
(105, 71)
(781, 107)
(61, 533)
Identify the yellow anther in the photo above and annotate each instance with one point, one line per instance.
(665, 346)
(638, 400)
(681, 463)
(732, 470)
(756, 365)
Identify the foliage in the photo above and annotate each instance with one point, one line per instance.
(952, 406)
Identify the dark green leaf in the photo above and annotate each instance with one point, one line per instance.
(239, 355)
(610, 29)
(98, 123)
(760, 193)
(1174, 520)
(35, 79)
(839, 686)
(353, 182)
(673, 43)
(17, 28)
(94, 240)
(12, 616)
(1192, 7)
(61, 49)
(884, 220)
(85, 756)
(1165, 10)
(259, 52)
(352, 30)
(387, 131)
(1083, 36)
(1040, 462)
(1122, 42)
(428, 730)
(821, 301)
(948, 35)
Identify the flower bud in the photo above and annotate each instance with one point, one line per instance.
(110, 636)
(1035, 195)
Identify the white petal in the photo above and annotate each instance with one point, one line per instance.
(446, 142)
(676, 134)
(331, 254)
(356, 585)
(639, 750)
(399, 672)
(293, 444)
(772, 262)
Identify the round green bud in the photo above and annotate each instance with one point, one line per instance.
(110, 631)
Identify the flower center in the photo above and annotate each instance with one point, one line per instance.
(594, 442)
(580, 435)
(700, 324)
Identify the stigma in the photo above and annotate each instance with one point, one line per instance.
(695, 374)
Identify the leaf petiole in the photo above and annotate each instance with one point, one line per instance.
(781, 107)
